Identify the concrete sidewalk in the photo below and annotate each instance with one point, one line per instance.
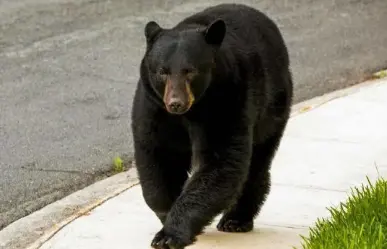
(328, 147)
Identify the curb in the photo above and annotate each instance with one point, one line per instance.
(316, 102)
(84, 211)
(32, 231)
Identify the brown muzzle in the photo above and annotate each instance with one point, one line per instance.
(178, 97)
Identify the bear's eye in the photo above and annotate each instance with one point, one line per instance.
(190, 73)
(162, 73)
(190, 76)
(188, 70)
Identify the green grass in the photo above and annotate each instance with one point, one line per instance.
(380, 74)
(118, 165)
(358, 223)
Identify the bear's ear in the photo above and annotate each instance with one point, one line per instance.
(151, 30)
(215, 32)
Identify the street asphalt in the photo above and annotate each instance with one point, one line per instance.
(68, 70)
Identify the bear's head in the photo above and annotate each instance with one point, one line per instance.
(179, 62)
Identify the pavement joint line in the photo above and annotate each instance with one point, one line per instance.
(333, 140)
(284, 226)
(84, 211)
(308, 187)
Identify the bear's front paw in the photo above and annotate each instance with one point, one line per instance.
(168, 240)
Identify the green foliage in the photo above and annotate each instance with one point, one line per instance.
(380, 74)
(118, 165)
(359, 223)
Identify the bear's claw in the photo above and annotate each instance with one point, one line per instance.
(234, 226)
(163, 241)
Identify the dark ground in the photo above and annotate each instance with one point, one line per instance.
(68, 69)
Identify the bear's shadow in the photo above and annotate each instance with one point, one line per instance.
(261, 237)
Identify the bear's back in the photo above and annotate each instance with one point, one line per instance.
(240, 19)
(249, 31)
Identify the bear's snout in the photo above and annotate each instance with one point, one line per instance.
(178, 97)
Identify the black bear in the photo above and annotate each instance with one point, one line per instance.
(213, 100)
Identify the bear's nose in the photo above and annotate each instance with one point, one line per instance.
(176, 106)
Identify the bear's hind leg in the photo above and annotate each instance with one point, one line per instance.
(240, 217)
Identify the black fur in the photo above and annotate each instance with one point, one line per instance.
(243, 93)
